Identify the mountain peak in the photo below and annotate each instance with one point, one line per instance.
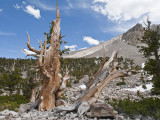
(133, 35)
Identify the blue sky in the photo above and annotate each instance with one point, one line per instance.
(84, 23)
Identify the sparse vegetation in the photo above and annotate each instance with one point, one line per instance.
(144, 86)
(145, 107)
(77, 67)
(69, 83)
(139, 94)
(10, 81)
(12, 102)
(142, 78)
(63, 97)
(121, 83)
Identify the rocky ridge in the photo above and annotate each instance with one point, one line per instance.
(127, 42)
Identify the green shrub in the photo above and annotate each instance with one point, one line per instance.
(63, 97)
(156, 85)
(76, 81)
(120, 83)
(69, 83)
(12, 102)
(142, 78)
(144, 86)
(145, 107)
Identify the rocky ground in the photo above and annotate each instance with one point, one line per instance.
(71, 94)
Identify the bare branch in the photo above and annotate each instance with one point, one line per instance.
(99, 71)
(40, 61)
(30, 47)
(29, 53)
(63, 83)
(112, 58)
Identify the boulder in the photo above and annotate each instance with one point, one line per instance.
(82, 87)
(2, 117)
(11, 113)
(25, 115)
(101, 111)
(24, 108)
(27, 107)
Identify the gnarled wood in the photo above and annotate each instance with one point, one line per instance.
(50, 67)
(30, 47)
(107, 72)
(90, 82)
(49, 64)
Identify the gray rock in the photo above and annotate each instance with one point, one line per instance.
(146, 118)
(72, 116)
(101, 111)
(25, 115)
(24, 108)
(9, 113)
(95, 118)
(119, 117)
(45, 115)
(5, 112)
(18, 118)
(53, 118)
(34, 114)
(27, 107)
(2, 117)
(76, 118)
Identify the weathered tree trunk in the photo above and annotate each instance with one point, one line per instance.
(35, 91)
(107, 72)
(33, 94)
(49, 64)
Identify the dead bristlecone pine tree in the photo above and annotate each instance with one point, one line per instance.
(108, 71)
(49, 65)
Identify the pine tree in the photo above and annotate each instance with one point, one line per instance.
(151, 39)
(10, 81)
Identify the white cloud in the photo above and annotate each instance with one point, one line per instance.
(70, 5)
(125, 10)
(83, 5)
(32, 11)
(24, 2)
(7, 34)
(16, 6)
(1, 10)
(78, 4)
(72, 47)
(99, 1)
(119, 28)
(43, 6)
(90, 40)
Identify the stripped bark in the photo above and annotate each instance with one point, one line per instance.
(49, 64)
